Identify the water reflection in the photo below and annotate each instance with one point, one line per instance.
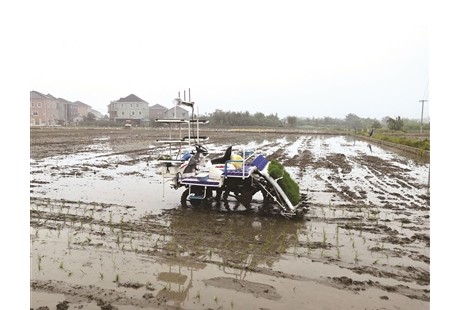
(178, 281)
(235, 240)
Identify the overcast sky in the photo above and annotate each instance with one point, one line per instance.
(303, 58)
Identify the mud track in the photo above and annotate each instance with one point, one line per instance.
(105, 234)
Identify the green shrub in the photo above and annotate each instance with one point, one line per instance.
(289, 186)
(421, 144)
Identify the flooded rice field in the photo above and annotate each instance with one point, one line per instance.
(106, 233)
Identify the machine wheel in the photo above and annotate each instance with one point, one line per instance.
(225, 195)
(245, 197)
(183, 198)
(193, 202)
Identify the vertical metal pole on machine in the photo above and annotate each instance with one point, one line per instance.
(193, 112)
(170, 137)
(163, 175)
(244, 159)
(197, 126)
(189, 133)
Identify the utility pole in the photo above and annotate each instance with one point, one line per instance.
(421, 119)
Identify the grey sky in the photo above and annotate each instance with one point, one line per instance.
(303, 58)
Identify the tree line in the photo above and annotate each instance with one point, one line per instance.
(350, 121)
(230, 118)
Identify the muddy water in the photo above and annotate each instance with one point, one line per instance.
(106, 233)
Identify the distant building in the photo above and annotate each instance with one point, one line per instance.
(47, 110)
(130, 108)
(70, 111)
(177, 112)
(157, 111)
(83, 108)
(44, 109)
(97, 114)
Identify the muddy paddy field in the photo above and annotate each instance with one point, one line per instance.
(106, 234)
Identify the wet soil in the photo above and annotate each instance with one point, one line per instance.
(105, 233)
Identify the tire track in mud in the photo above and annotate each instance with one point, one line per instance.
(376, 180)
(339, 166)
(383, 170)
(336, 163)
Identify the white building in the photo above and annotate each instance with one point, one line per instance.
(130, 108)
(177, 112)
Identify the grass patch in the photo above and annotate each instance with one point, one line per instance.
(412, 142)
(289, 186)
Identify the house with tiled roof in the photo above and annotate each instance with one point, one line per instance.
(130, 108)
(63, 110)
(47, 110)
(157, 111)
(97, 114)
(44, 109)
(177, 112)
(83, 108)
